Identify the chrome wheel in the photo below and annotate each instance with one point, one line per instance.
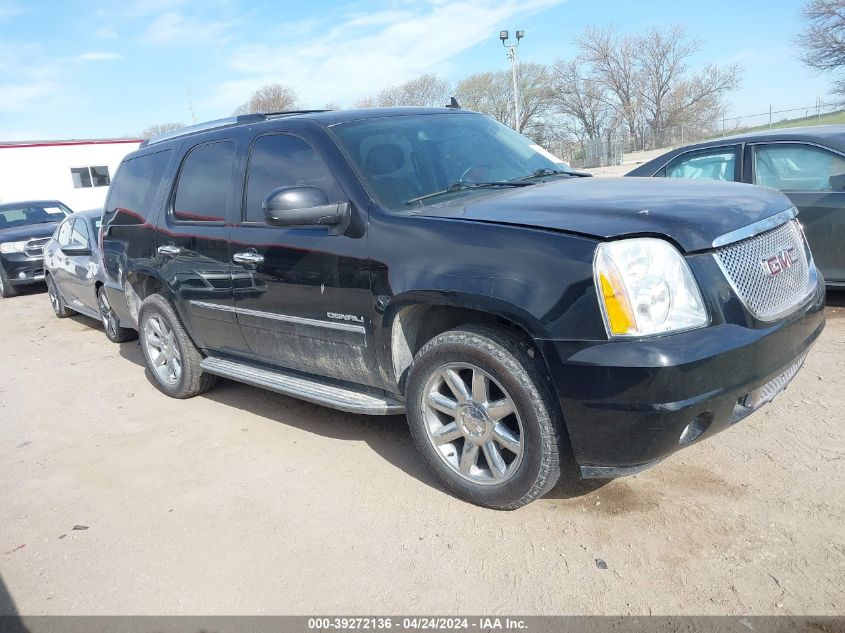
(162, 350)
(107, 315)
(54, 296)
(473, 424)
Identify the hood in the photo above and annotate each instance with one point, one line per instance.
(30, 231)
(692, 213)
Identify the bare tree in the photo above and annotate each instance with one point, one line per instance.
(584, 100)
(332, 106)
(367, 101)
(272, 98)
(425, 90)
(160, 128)
(822, 41)
(492, 94)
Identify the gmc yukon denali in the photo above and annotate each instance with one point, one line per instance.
(432, 262)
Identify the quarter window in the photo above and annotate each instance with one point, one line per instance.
(282, 160)
(96, 176)
(716, 164)
(202, 192)
(798, 167)
(132, 199)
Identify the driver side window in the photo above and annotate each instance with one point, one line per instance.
(63, 237)
(79, 232)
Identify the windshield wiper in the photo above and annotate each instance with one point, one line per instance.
(546, 171)
(461, 186)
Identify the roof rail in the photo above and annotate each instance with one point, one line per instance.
(204, 127)
(290, 112)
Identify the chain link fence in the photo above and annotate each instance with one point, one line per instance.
(612, 149)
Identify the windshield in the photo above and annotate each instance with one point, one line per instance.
(405, 159)
(27, 214)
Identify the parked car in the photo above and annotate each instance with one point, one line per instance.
(73, 270)
(24, 229)
(807, 164)
(433, 262)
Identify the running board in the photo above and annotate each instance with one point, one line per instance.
(311, 390)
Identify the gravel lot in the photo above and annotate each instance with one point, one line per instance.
(241, 501)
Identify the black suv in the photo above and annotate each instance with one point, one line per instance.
(25, 227)
(434, 262)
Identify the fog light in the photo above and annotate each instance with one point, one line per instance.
(694, 429)
(21, 275)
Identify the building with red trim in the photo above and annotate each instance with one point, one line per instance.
(77, 172)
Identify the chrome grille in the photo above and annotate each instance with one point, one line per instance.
(768, 294)
(36, 246)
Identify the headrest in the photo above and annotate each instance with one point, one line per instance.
(384, 159)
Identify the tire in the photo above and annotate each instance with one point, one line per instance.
(111, 322)
(157, 321)
(528, 441)
(57, 302)
(6, 288)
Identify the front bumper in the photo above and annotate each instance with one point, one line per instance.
(22, 269)
(628, 404)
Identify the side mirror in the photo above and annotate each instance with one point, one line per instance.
(76, 249)
(304, 206)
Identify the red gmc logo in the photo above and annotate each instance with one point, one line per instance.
(780, 261)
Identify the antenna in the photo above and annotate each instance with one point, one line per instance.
(191, 106)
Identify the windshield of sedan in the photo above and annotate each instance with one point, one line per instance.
(28, 214)
(416, 160)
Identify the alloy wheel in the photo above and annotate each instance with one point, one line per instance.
(107, 315)
(162, 349)
(473, 424)
(54, 296)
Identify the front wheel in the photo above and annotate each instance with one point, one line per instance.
(6, 288)
(172, 357)
(111, 322)
(482, 412)
(56, 300)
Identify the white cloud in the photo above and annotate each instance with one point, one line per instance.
(18, 97)
(363, 52)
(99, 56)
(106, 32)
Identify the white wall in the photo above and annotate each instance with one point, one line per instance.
(43, 172)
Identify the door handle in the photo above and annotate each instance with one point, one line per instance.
(248, 258)
(168, 249)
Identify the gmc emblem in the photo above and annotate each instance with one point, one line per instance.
(780, 261)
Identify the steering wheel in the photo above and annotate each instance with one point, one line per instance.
(476, 173)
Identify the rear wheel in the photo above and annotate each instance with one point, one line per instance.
(111, 322)
(482, 412)
(56, 301)
(6, 287)
(172, 358)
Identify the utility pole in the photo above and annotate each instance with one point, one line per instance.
(512, 55)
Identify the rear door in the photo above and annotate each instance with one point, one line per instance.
(813, 177)
(192, 248)
(302, 294)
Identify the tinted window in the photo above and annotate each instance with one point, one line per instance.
(63, 237)
(716, 164)
(79, 232)
(132, 197)
(204, 183)
(797, 167)
(281, 160)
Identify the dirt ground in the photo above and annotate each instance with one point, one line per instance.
(242, 501)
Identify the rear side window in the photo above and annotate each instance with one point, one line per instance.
(798, 167)
(132, 197)
(205, 179)
(715, 164)
(282, 160)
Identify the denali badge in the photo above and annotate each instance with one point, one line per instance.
(345, 317)
(780, 261)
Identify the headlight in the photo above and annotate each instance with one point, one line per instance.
(12, 247)
(645, 287)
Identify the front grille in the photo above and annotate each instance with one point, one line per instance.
(770, 271)
(35, 247)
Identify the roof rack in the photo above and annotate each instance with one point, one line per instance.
(218, 123)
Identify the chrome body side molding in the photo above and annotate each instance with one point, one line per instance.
(331, 325)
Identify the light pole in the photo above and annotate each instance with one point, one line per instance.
(512, 55)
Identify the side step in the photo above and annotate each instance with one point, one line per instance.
(311, 390)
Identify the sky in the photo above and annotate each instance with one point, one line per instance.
(73, 69)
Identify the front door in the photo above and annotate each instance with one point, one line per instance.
(192, 248)
(82, 268)
(813, 178)
(302, 294)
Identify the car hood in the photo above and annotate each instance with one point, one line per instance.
(30, 231)
(692, 213)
